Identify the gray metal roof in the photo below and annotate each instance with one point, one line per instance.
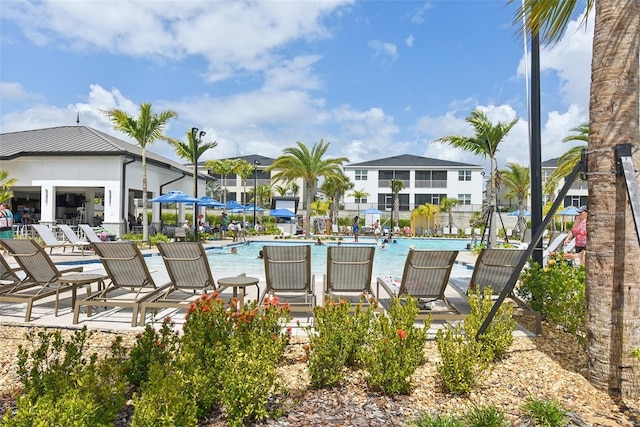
(409, 160)
(74, 141)
(551, 163)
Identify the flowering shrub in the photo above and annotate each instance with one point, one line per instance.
(335, 340)
(233, 354)
(556, 291)
(395, 347)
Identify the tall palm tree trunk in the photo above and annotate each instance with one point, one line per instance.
(307, 212)
(493, 205)
(145, 216)
(613, 270)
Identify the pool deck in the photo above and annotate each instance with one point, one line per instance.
(120, 319)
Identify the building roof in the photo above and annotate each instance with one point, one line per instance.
(75, 141)
(409, 160)
(551, 163)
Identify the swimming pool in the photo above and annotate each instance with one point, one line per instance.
(389, 262)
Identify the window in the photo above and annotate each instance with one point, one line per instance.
(464, 175)
(433, 199)
(362, 200)
(464, 199)
(361, 174)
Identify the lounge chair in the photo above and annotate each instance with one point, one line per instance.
(41, 276)
(288, 275)
(190, 275)
(553, 245)
(130, 284)
(89, 234)
(425, 276)
(493, 269)
(349, 271)
(179, 234)
(73, 238)
(8, 275)
(51, 242)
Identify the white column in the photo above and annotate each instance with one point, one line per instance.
(48, 204)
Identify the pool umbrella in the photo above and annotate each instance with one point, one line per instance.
(175, 196)
(569, 211)
(232, 204)
(281, 213)
(372, 211)
(210, 202)
(517, 212)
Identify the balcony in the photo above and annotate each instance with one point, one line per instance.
(386, 183)
(433, 183)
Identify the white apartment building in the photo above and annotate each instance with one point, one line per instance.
(426, 180)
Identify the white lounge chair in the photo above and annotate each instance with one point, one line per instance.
(50, 240)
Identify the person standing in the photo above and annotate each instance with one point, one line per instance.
(579, 232)
(356, 228)
(376, 230)
(6, 222)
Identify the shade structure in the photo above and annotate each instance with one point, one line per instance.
(517, 212)
(372, 211)
(249, 208)
(569, 211)
(175, 196)
(232, 204)
(210, 202)
(281, 213)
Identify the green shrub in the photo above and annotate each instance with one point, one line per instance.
(498, 336)
(395, 347)
(335, 340)
(438, 421)
(60, 382)
(217, 338)
(485, 416)
(557, 291)
(463, 365)
(165, 400)
(158, 238)
(151, 346)
(545, 413)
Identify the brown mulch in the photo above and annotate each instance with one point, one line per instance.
(550, 366)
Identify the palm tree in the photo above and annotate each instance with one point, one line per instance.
(427, 210)
(320, 208)
(359, 195)
(191, 151)
(446, 205)
(397, 185)
(244, 170)
(300, 162)
(146, 129)
(281, 189)
(568, 160)
(612, 316)
(335, 187)
(517, 180)
(484, 143)
(224, 168)
(214, 189)
(262, 198)
(5, 185)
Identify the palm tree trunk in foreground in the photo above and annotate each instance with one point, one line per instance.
(613, 270)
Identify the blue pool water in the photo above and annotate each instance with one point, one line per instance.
(389, 262)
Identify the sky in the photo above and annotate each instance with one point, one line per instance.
(373, 78)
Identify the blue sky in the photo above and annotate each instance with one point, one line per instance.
(374, 78)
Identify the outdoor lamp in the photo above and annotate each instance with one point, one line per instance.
(256, 163)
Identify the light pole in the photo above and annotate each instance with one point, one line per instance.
(256, 163)
(197, 135)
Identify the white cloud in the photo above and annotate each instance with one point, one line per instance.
(14, 90)
(409, 40)
(383, 51)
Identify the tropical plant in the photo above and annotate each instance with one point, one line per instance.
(244, 170)
(146, 129)
(224, 168)
(517, 180)
(485, 143)
(5, 185)
(320, 208)
(191, 151)
(335, 187)
(428, 211)
(614, 117)
(214, 189)
(569, 159)
(446, 205)
(397, 185)
(358, 195)
(281, 189)
(300, 162)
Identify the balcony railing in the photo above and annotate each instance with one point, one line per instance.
(386, 183)
(431, 183)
